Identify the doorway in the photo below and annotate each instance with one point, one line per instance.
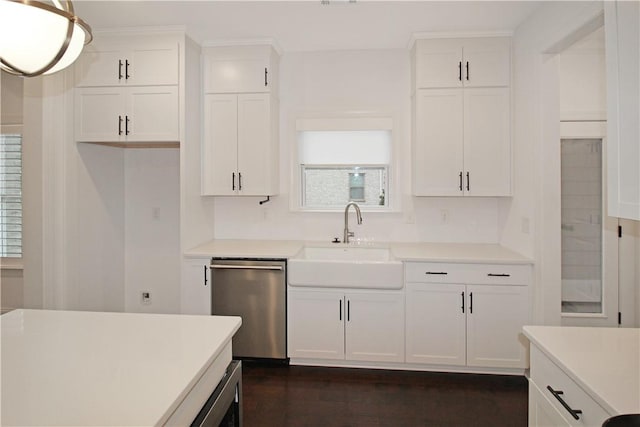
(589, 237)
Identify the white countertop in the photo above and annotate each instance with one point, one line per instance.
(108, 369)
(457, 252)
(429, 252)
(605, 362)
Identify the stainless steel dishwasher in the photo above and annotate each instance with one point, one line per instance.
(254, 289)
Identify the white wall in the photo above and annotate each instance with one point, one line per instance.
(551, 28)
(152, 233)
(354, 84)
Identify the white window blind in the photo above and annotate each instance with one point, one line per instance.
(10, 195)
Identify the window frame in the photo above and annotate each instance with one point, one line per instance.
(16, 262)
(346, 122)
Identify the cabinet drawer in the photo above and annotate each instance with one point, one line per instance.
(482, 274)
(545, 373)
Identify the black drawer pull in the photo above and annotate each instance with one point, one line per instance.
(575, 413)
(443, 273)
(498, 275)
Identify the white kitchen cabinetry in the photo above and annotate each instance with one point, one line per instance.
(131, 61)
(241, 121)
(470, 62)
(239, 145)
(556, 400)
(135, 113)
(357, 326)
(195, 288)
(622, 32)
(462, 125)
(240, 69)
(479, 310)
(127, 90)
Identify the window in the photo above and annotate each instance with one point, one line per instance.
(341, 166)
(11, 192)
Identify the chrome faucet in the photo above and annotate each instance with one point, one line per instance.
(348, 233)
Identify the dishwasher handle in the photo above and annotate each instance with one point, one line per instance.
(247, 267)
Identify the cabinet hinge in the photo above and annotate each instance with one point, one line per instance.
(619, 231)
(619, 318)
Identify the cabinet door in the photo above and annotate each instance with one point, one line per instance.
(486, 62)
(236, 74)
(438, 63)
(622, 31)
(487, 142)
(152, 113)
(195, 288)
(436, 324)
(152, 64)
(495, 317)
(254, 145)
(374, 329)
(99, 114)
(315, 324)
(438, 142)
(541, 412)
(220, 145)
(99, 65)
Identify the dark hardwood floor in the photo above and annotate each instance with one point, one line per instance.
(310, 396)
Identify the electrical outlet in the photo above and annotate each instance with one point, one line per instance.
(525, 225)
(444, 216)
(146, 297)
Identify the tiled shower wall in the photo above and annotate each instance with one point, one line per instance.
(581, 176)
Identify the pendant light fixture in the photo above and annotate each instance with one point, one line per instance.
(40, 38)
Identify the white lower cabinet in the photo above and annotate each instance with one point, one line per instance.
(541, 411)
(339, 325)
(556, 400)
(454, 318)
(195, 289)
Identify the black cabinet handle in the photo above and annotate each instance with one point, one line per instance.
(239, 181)
(126, 69)
(119, 125)
(575, 413)
(462, 295)
(233, 181)
(126, 125)
(498, 275)
(468, 181)
(444, 273)
(348, 311)
(205, 275)
(467, 70)
(460, 176)
(266, 81)
(119, 69)
(470, 302)
(340, 311)
(460, 70)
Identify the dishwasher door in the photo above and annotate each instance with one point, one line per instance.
(256, 291)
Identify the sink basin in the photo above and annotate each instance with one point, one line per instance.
(345, 267)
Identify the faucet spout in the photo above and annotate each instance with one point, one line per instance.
(348, 233)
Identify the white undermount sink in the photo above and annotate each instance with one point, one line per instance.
(344, 266)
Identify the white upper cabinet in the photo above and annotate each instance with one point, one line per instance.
(462, 119)
(116, 61)
(238, 69)
(622, 32)
(447, 63)
(127, 89)
(240, 153)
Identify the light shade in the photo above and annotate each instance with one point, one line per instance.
(39, 38)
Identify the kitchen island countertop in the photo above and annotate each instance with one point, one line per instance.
(604, 362)
(77, 368)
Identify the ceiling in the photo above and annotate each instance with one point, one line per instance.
(308, 25)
